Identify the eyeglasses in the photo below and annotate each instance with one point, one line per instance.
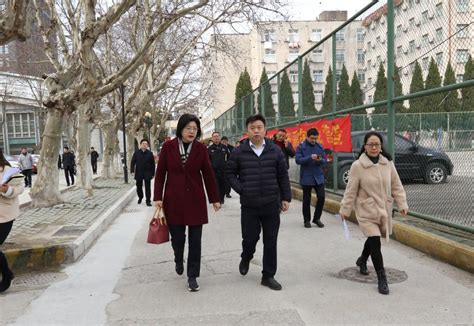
(191, 129)
(373, 145)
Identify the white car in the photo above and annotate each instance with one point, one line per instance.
(14, 163)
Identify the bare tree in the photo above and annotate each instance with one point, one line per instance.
(14, 21)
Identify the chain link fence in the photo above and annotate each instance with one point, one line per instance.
(430, 130)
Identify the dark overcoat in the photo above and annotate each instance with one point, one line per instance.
(181, 187)
(143, 165)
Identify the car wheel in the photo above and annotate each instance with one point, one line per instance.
(435, 173)
(343, 176)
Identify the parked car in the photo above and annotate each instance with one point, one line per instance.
(413, 162)
(35, 163)
(13, 161)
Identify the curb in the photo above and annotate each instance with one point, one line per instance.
(444, 249)
(42, 257)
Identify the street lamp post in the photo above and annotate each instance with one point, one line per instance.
(148, 123)
(125, 170)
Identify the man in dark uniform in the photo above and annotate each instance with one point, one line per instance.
(94, 157)
(230, 148)
(143, 167)
(69, 163)
(218, 155)
(281, 140)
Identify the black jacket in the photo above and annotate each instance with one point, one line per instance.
(143, 165)
(218, 155)
(258, 180)
(288, 151)
(69, 160)
(94, 156)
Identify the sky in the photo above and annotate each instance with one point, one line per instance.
(310, 9)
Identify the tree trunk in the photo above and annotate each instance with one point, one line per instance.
(83, 145)
(109, 167)
(45, 191)
(130, 148)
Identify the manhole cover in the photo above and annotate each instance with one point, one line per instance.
(37, 280)
(353, 274)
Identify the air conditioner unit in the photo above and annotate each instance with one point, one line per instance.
(405, 51)
(404, 7)
(418, 46)
(382, 41)
(373, 46)
(405, 29)
(417, 22)
(267, 45)
(430, 16)
(405, 72)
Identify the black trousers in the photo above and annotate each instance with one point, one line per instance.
(69, 172)
(94, 167)
(178, 239)
(27, 174)
(307, 202)
(372, 247)
(5, 229)
(221, 183)
(139, 184)
(254, 219)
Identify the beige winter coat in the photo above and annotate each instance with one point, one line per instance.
(370, 191)
(9, 204)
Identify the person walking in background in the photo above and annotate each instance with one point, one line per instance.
(26, 165)
(230, 148)
(184, 164)
(218, 155)
(281, 140)
(257, 171)
(9, 211)
(311, 157)
(94, 157)
(373, 185)
(69, 165)
(143, 168)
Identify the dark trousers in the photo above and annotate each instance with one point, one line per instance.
(69, 172)
(178, 239)
(372, 247)
(307, 202)
(254, 219)
(139, 184)
(5, 229)
(94, 167)
(221, 183)
(227, 188)
(27, 174)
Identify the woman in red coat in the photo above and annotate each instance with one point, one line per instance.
(184, 163)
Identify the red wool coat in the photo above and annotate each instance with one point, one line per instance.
(181, 187)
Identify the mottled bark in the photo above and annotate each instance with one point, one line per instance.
(83, 147)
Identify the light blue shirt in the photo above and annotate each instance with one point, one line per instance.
(256, 150)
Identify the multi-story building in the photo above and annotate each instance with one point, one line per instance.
(438, 29)
(273, 45)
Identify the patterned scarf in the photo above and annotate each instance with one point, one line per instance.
(184, 154)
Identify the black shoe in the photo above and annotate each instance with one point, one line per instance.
(362, 263)
(318, 223)
(228, 196)
(193, 285)
(244, 267)
(222, 202)
(68, 185)
(139, 201)
(6, 281)
(179, 268)
(72, 183)
(383, 285)
(148, 203)
(307, 225)
(271, 283)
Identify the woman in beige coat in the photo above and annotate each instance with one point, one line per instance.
(9, 211)
(373, 185)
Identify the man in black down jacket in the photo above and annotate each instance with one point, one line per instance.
(218, 154)
(257, 171)
(69, 163)
(143, 166)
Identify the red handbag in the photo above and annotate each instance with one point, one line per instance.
(158, 231)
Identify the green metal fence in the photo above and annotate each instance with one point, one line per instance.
(413, 61)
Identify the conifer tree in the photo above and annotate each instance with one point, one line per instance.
(267, 110)
(450, 99)
(308, 92)
(356, 92)
(286, 106)
(327, 96)
(380, 93)
(416, 85)
(468, 92)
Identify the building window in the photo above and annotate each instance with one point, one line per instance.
(462, 30)
(412, 67)
(270, 55)
(369, 46)
(360, 35)
(269, 36)
(293, 76)
(462, 56)
(361, 75)
(340, 55)
(21, 125)
(424, 16)
(424, 63)
(293, 35)
(5, 49)
(424, 40)
(340, 35)
(360, 56)
(316, 35)
(462, 6)
(318, 76)
(295, 97)
(318, 55)
(410, 3)
(370, 99)
(411, 46)
(369, 63)
(318, 97)
(293, 54)
(411, 23)
(270, 74)
(439, 10)
(379, 60)
(399, 51)
(338, 74)
(459, 78)
(439, 34)
(369, 82)
(399, 29)
(439, 58)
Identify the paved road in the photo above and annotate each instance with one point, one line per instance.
(124, 281)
